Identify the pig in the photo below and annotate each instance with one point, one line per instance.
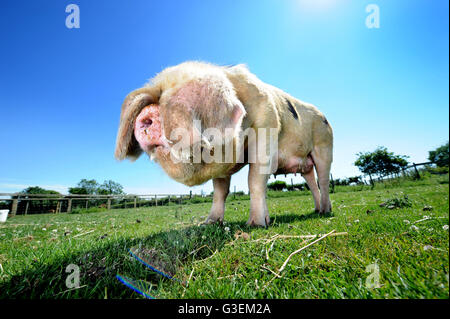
(167, 119)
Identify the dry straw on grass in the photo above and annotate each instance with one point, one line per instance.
(273, 238)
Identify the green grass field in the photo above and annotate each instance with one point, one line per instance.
(410, 251)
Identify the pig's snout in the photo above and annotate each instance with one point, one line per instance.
(147, 128)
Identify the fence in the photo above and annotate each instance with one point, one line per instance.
(404, 172)
(414, 165)
(57, 203)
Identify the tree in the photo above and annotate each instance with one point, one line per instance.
(440, 155)
(277, 186)
(110, 188)
(380, 162)
(78, 191)
(92, 187)
(37, 190)
(86, 187)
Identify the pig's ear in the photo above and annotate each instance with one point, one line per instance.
(126, 144)
(224, 111)
(247, 86)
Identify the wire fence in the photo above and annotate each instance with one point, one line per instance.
(24, 204)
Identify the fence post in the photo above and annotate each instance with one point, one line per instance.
(156, 200)
(108, 203)
(15, 203)
(26, 207)
(168, 201)
(190, 194)
(135, 202)
(69, 206)
(417, 172)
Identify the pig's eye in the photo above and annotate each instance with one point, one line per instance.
(147, 122)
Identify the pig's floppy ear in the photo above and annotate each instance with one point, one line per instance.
(126, 144)
(216, 104)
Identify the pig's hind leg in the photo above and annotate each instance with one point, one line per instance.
(221, 190)
(323, 157)
(310, 178)
(257, 184)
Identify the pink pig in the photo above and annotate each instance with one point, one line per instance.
(191, 114)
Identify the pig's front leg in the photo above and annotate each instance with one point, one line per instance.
(221, 190)
(257, 184)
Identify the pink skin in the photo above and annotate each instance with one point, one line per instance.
(148, 130)
(297, 164)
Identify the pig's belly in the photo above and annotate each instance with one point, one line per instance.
(294, 164)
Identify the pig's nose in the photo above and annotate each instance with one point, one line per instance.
(148, 131)
(147, 121)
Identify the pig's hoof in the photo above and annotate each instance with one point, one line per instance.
(324, 213)
(212, 220)
(260, 222)
(325, 209)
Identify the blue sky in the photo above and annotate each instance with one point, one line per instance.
(61, 89)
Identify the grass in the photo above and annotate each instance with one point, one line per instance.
(235, 261)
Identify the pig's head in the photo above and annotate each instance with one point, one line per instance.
(167, 120)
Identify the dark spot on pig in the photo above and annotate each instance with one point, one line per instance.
(325, 121)
(292, 110)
